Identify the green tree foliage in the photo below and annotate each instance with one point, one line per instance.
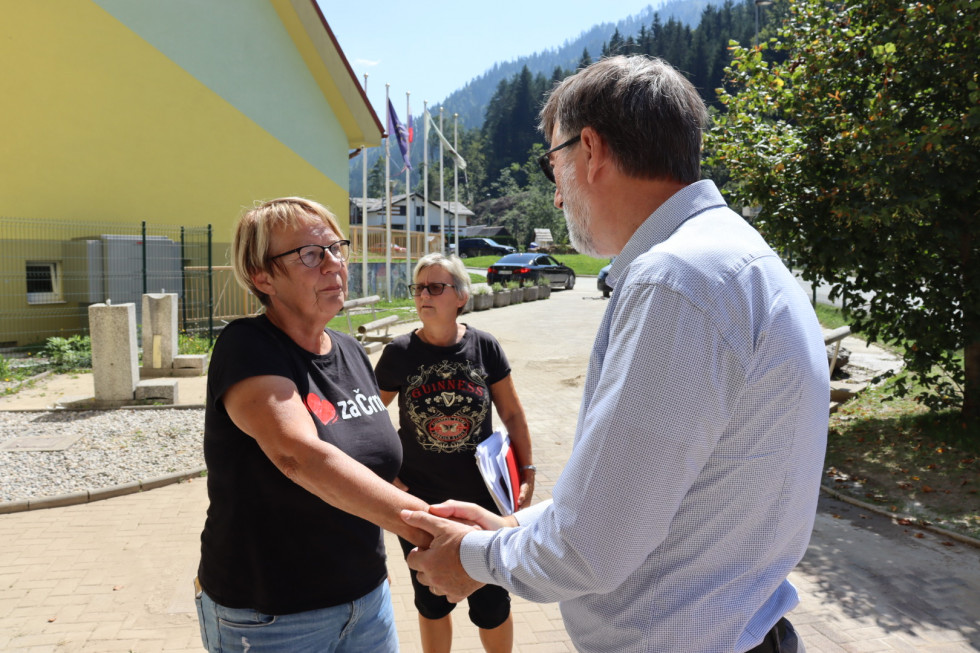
(524, 207)
(700, 53)
(510, 129)
(862, 147)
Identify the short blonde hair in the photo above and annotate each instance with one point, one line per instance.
(451, 264)
(250, 245)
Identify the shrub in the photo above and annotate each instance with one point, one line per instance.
(68, 354)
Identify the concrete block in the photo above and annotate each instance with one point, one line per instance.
(194, 361)
(164, 390)
(115, 371)
(159, 330)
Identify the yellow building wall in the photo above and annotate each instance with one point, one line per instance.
(101, 126)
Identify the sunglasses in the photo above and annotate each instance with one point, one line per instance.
(545, 159)
(312, 255)
(435, 289)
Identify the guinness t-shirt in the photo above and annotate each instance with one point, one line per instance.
(445, 409)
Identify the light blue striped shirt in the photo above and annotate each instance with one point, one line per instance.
(692, 486)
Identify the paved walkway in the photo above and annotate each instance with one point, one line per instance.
(115, 575)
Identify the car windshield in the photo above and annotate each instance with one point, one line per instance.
(516, 259)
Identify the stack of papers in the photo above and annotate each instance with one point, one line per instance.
(498, 466)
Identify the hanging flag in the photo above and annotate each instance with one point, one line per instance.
(429, 124)
(396, 128)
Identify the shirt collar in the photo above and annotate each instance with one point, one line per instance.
(679, 207)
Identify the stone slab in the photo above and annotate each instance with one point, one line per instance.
(41, 442)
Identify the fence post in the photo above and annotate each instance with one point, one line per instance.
(183, 281)
(210, 293)
(144, 255)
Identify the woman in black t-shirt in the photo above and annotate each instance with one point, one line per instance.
(300, 454)
(448, 378)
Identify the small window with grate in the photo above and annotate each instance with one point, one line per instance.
(43, 282)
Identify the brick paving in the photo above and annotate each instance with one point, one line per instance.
(115, 575)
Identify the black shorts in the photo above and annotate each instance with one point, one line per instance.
(489, 605)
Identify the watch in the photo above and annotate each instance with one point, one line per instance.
(530, 468)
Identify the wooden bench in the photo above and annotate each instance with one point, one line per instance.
(366, 333)
(834, 338)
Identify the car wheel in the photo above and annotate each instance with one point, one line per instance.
(570, 282)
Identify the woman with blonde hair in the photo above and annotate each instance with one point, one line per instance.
(300, 454)
(448, 378)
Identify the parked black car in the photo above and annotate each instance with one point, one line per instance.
(518, 267)
(481, 247)
(604, 287)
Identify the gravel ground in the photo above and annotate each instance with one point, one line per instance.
(113, 447)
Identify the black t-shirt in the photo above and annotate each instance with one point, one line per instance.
(269, 544)
(445, 409)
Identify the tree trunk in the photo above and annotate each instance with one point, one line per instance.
(971, 389)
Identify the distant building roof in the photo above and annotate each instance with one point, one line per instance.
(376, 204)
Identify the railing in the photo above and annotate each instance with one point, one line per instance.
(377, 237)
(52, 271)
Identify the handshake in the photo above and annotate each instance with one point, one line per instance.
(439, 566)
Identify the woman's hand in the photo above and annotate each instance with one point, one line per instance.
(527, 489)
(472, 515)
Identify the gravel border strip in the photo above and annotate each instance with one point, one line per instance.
(98, 495)
(913, 521)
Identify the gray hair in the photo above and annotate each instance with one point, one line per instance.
(649, 113)
(451, 264)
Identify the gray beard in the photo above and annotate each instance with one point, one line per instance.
(577, 215)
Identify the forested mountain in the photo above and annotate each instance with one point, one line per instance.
(502, 184)
(471, 101)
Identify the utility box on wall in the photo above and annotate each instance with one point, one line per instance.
(113, 268)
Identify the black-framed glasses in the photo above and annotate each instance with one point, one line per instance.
(312, 255)
(435, 289)
(545, 159)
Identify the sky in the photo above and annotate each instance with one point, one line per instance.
(399, 43)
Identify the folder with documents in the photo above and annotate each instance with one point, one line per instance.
(498, 466)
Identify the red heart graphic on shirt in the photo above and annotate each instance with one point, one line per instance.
(323, 409)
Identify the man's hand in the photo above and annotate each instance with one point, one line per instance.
(472, 515)
(439, 566)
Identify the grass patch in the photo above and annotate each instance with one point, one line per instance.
(403, 308)
(897, 454)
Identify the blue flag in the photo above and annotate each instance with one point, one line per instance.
(398, 130)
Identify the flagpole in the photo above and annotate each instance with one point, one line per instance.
(425, 175)
(456, 179)
(442, 217)
(387, 199)
(409, 213)
(364, 218)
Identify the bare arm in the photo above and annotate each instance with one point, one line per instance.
(269, 409)
(512, 414)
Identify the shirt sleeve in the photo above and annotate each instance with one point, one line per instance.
(647, 428)
(385, 371)
(495, 360)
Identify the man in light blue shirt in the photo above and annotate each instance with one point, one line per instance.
(692, 486)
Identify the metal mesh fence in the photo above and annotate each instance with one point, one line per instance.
(52, 271)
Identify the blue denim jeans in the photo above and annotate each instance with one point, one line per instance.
(362, 626)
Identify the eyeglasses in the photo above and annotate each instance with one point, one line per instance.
(545, 159)
(312, 255)
(435, 289)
